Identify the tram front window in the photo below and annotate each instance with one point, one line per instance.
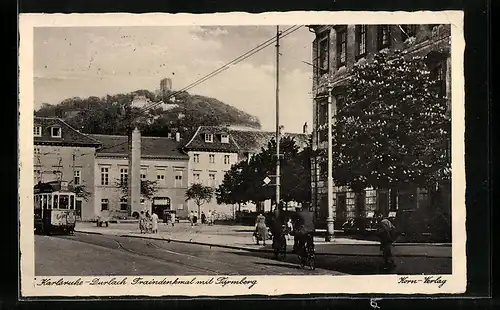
(63, 201)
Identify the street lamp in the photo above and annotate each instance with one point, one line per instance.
(329, 219)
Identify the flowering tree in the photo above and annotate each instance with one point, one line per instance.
(391, 129)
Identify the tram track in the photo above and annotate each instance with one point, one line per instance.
(120, 246)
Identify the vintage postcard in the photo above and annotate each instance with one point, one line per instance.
(149, 162)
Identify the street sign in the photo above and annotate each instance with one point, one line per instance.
(267, 180)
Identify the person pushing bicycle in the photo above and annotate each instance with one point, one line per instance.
(306, 227)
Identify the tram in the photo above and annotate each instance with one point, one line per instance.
(54, 208)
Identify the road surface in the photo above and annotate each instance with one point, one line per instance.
(93, 255)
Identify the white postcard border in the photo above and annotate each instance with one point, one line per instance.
(265, 285)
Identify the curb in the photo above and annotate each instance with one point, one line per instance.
(248, 249)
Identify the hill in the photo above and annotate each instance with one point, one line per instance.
(108, 114)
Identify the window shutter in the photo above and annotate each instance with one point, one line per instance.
(315, 60)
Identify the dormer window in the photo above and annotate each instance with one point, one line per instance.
(209, 137)
(55, 132)
(224, 138)
(37, 131)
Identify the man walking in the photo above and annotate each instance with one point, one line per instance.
(386, 232)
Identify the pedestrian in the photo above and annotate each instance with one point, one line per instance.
(210, 218)
(386, 231)
(289, 225)
(260, 229)
(154, 220)
(141, 222)
(172, 218)
(191, 218)
(149, 223)
(195, 218)
(203, 217)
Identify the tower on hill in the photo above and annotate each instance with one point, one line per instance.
(165, 85)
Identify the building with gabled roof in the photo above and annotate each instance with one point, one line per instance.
(162, 161)
(63, 153)
(213, 150)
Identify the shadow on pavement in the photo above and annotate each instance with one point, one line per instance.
(286, 265)
(350, 265)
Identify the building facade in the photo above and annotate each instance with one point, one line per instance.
(213, 150)
(63, 153)
(161, 162)
(336, 49)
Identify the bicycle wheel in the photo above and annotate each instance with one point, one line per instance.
(311, 262)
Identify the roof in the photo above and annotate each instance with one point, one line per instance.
(152, 147)
(69, 135)
(197, 141)
(253, 141)
(239, 140)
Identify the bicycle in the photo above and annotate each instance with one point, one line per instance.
(307, 254)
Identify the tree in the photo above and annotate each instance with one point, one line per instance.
(148, 188)
(232, 190)
(200, 194)
(81, 191)
(391, 129)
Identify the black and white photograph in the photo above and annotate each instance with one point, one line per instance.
(233, 154)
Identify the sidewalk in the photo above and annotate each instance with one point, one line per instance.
(240, 237)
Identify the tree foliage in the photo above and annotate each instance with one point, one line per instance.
(111, 114)
(148, 188)
(200, 194)
(391, 130)
(81, 191)
(244, 182)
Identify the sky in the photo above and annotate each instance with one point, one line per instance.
(96, 61)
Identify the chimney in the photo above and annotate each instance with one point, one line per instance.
(304, 128)
(134, 172)
(178, 136)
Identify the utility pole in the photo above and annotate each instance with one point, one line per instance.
(277, 117)
(74, 156)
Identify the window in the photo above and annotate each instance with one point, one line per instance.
(196, 177)
(224, 138)
(226, 160)
(209, 137)
(36, 175)
(196, 158)
(384, 36)
(123, 204)
(104, 204)
(211, 179)
(341, 46)
(144, 174)
(211, 158)
(104, 176)
(37, 131)
(56, 132)
(323, 50)
(438, 73)
(123, 176)
(178, 181)
(160, 177)
(361, 36)
(323, 121)
(408, 31)
(143, 201)
(77, 178)
(38, 151)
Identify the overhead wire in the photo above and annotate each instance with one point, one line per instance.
(212, 74)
